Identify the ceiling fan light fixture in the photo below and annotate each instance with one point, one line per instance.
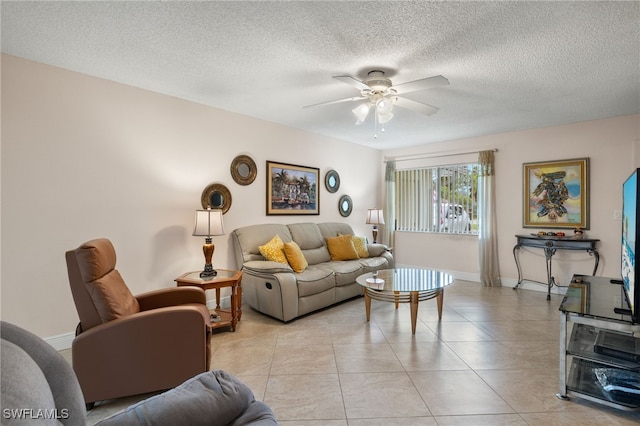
(384, 106)
(383, 118)
(361, 112)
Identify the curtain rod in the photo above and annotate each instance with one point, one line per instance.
(433, 155)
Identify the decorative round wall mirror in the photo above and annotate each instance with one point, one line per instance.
(345, 206)
(216, 196)
(243, 170)
(332, 181)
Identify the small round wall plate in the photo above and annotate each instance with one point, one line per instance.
(332, 181)
(345, 206)
(216, 196)
(243, 170)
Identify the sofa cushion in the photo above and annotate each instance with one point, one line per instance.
(341, 248)
(333, 229)
(315, 280)
(311, 242)
(295, 257)
(210, 398)
(345, 272)
(274, 250)
(247, 240)
(360, 244)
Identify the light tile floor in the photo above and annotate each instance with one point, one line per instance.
(492, 360)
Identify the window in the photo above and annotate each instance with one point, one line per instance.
(438, 199)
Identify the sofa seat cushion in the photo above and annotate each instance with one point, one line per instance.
(314, 280)
(345, 272)
(371, 264)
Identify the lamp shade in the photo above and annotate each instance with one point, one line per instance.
(375, 217)
(208, 223)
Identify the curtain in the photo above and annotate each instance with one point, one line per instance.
(388, 236)
(487, 223)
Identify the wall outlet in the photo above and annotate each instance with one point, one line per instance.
(617, 215)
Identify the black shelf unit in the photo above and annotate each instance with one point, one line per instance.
(588, 318)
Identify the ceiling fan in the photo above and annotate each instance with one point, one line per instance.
(382, 95)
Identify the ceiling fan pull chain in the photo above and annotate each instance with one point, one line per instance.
(375, 123)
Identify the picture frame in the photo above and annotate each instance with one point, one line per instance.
(556, 194)
(292, 189)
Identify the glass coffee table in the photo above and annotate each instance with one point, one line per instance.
(404, 285)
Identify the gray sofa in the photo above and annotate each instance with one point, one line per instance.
(40, 387)
(274, 289)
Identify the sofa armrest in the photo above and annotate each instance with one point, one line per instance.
(171, 296)
(376, 249)
(266, 267)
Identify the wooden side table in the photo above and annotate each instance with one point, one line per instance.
(225, 278)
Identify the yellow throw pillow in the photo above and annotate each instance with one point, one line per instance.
(360, 243)
(274, 250)
(341, 248)
(294, 255)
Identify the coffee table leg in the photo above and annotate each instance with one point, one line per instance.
(397, 293)
(367, 304)
(414, 310)
(440, 299)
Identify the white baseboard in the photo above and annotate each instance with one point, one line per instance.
(61, 341)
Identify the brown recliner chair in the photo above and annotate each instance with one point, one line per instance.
(125, 344)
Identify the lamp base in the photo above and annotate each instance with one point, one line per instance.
(374, 231)
(208, 272)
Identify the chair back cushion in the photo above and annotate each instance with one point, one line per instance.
(99, 292)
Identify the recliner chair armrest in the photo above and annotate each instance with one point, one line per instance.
(171, 296)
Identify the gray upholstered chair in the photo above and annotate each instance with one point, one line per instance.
(39, 386)
(36, 379)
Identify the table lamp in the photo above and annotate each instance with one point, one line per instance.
(375, 218)
(208, 223)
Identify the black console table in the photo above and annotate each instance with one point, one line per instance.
(550, 244)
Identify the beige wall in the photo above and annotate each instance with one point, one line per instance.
(84, 157)
(613, 146)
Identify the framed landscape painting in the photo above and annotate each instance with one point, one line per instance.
(292, 189)
(556, 194)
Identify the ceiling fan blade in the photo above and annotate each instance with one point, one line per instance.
(352, 81)
(416, 106)
(337, 101)
(422, 84)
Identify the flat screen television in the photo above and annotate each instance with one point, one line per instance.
(630, 243)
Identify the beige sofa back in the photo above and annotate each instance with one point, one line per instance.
(311, 237)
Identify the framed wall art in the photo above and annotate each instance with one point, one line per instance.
(556, 194)
(292, 190)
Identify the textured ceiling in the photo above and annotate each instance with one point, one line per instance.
(511, 65)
